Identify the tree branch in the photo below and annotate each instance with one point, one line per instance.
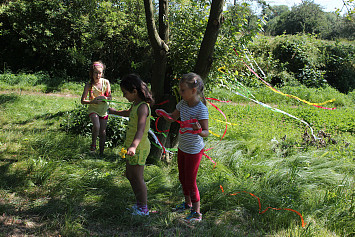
(204, 59)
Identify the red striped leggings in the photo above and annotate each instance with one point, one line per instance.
(188, 166)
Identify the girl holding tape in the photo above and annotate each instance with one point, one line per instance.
(137, 142)
(194, 113)
(97, 89)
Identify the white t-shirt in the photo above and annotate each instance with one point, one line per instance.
(188, 142)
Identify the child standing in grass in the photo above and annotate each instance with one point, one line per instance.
(137, 142)
(191, 145)
(98, 89)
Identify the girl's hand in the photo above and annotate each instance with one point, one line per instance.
(160, 112)
(203, 125)
(167, 116)
(95, 101)
(131, 151)
(98, 99)
(196, 126)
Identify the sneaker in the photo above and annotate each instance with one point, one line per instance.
(182, 207)
(132, 208)
(194, 217)
(92, 148)
(139, 212)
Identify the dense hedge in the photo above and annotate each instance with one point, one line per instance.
(306, 60)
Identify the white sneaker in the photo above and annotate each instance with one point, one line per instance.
(194, 217)
(138, 211)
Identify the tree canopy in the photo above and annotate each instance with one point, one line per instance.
(308, 17)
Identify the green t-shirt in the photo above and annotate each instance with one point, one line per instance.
(132, 128)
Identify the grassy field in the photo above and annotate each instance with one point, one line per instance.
(50, 185)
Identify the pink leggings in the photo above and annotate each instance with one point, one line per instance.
(188, 166)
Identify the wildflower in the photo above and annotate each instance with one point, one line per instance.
(123, 153)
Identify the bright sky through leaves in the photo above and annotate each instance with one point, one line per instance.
(328, 5)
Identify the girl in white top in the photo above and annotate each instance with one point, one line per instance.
(98, 89)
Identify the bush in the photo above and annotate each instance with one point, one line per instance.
(77, 122)
(301, 56)
(276, 71)
(291, 60)
(340, 66)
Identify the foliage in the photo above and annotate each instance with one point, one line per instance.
(308, 17)
(300, 55)
(77, 122)
(187, 22)
(302, 59)
(114, 32)
(240, 26)
(349, 6)
(285, 60)
(31, 38)
(340, 66)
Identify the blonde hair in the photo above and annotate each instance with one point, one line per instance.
(193, 80)
(94, 65)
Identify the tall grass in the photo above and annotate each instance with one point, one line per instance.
(51, 185)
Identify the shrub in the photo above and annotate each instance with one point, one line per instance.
(77, 122)
(340, 66)
(290, 60)
(301, 55)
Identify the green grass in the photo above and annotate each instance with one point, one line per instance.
(50, 185)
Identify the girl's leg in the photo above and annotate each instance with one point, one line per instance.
(134, 173)
(196, 206)
(182, 178)
(191, 169)
(102, 135)
(95, 128)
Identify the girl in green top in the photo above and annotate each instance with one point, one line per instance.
(137, 143)
(97, 89)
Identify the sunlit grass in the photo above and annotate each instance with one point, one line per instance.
(48, 173)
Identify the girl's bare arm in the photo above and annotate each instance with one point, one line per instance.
(204, 125)
(173, 116)
(109, 96)
(123, 113)
(84, 96)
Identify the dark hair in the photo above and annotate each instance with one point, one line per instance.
(193, 80)
(133, 81)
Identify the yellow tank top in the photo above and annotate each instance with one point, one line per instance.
(101, 108)
(132, 128)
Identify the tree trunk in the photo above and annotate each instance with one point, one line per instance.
(160, 50)
(163, 20)
(160, 83)
(159, 80)
(215, 20)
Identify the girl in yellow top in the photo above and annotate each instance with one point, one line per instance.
(97, 89)
(137, 143)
